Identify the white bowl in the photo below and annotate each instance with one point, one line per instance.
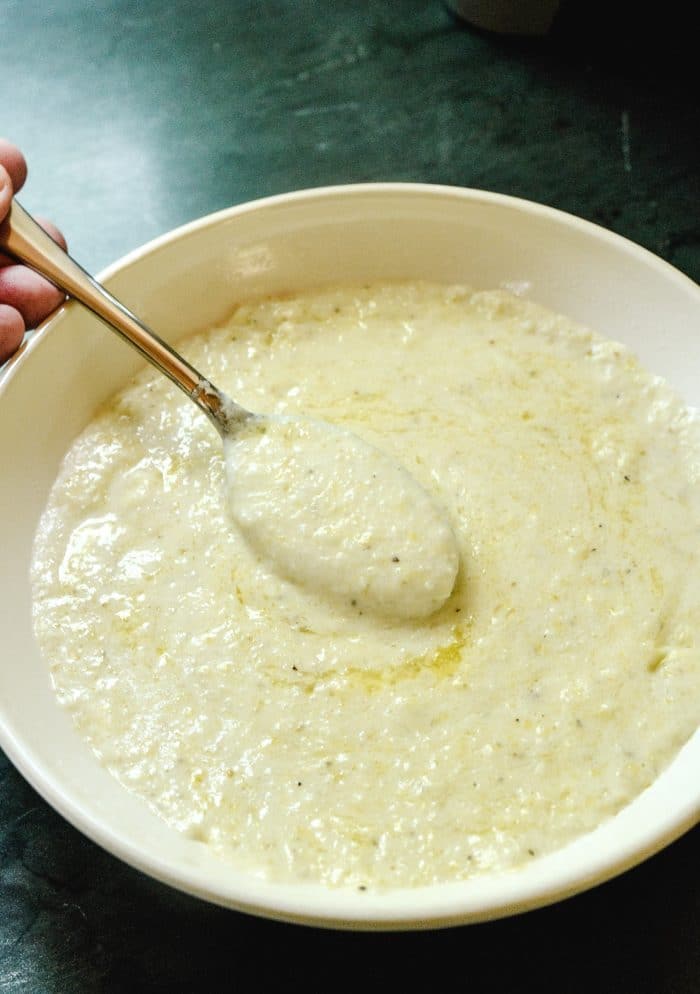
(193, 277)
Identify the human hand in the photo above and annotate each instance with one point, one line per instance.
(25, 297)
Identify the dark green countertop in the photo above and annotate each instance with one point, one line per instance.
(137, 117)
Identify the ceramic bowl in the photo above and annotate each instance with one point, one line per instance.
(192, 277)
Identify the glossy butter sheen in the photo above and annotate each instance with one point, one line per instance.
(309, 739)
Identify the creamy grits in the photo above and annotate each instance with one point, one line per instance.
(306, 738)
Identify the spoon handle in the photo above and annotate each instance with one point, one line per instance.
(25, 240)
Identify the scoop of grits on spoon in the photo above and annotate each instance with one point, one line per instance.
(329, 511)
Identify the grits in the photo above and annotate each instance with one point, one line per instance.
(308, 739)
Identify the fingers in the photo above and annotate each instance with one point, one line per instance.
(25, 297)
(14, 164)
(28, 293)
(11, 331)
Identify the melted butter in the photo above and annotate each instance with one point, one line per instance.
(445, 662)
(310, 739)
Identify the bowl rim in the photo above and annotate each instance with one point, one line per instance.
(439, 190)
(432, 906)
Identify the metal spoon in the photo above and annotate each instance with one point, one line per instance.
(328, 510)
(25, 240)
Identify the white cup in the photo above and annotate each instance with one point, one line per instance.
(515, 17)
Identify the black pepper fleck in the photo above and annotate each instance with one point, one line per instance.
(395, 559)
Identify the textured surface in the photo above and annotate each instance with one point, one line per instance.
(137, 117)
(552, 685)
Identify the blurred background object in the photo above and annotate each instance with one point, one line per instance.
(517, 17)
